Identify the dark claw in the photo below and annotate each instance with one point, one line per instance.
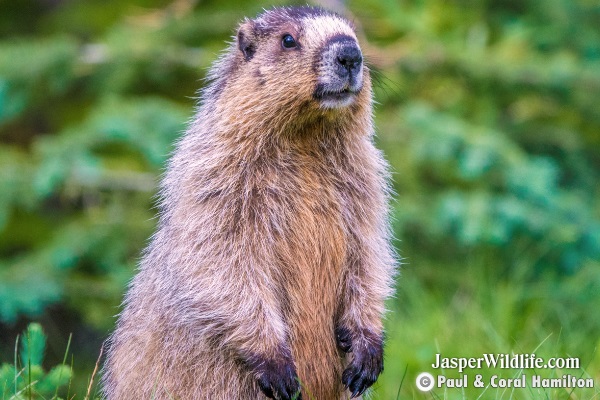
(265, 387)
(277, 379)
(366, 364)
(343, 338)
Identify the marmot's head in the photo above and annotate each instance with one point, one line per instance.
(301, 58)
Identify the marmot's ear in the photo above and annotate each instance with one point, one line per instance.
(246, 39)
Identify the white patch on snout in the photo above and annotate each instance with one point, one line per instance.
(322, 28)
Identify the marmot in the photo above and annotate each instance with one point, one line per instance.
(271, 262)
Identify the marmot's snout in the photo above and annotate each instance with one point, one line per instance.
(341, 72)
(349, 63)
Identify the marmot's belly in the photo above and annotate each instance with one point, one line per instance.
(318, 362)
(314, 304)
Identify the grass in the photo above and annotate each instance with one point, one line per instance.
(26, 379)
(466, 310)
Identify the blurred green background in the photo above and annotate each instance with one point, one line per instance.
(488, 111)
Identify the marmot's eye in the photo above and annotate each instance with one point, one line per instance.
(288, 41)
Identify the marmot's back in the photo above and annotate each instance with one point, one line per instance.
(271, 261)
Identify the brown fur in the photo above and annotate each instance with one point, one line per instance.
(272, 234)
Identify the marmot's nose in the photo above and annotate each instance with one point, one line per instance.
(350, 58)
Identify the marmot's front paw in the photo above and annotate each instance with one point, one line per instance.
(277, 378)
(366, 365)
(343, 339)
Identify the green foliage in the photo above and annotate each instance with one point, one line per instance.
(90, 191)
(24, 83)
(494, 127)
(490, 191)
(26, 378)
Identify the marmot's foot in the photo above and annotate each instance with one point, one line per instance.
(366, 365)
(277, 378)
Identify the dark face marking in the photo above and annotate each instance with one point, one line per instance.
(281, 16)
(246, 45)
(286, 21)
(341, 38)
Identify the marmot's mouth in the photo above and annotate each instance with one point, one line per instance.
(334, 95)
(343, 95)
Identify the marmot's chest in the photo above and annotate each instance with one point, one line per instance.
(317, 223)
